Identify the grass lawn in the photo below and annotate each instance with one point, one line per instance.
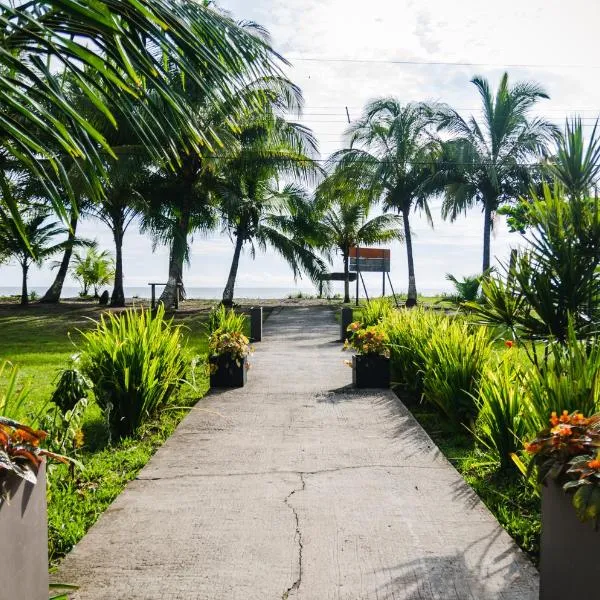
(40, 340)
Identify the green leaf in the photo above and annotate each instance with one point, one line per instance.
(586, 501)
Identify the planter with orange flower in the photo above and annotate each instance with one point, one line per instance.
(371, 363)
(23, 517)
(228, 359)
(567, 458)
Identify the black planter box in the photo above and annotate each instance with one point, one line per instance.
(229, 374)
(370, 371)
(568, 548)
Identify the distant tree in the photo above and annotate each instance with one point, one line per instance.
(30, 240)
(93, 269)
(345, 224)
(391, 154)
(488, 161)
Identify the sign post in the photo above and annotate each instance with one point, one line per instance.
(374, 260)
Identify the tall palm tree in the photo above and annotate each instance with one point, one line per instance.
(489, 161)
(391, 153)
(135, 45)
(345, 224)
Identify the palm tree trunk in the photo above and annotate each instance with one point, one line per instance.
(346, 279)
(176, 259)
(228, 292)
(52, 295)
(487, 230)
(412, 285)
(24, 292)
(118, 294)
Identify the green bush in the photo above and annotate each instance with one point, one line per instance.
(501, 424)
(455, 357)
(136, 363)
(71, 387)
(408, 333)
(375, 311)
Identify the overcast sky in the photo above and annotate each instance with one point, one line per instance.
(497, 36)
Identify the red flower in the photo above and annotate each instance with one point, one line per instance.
(509, 343)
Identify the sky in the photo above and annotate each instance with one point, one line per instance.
(342, 54)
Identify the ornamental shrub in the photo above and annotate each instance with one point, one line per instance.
(136, 362)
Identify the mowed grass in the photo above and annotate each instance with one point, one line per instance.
(40, 340)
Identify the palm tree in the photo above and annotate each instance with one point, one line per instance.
(345, 224)
(136, 45)
(576, 164)
(391, 153)
(93, 269)
(488, 161)
(259, 213)
(39, 233)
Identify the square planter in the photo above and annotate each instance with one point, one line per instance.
(24, 535)
(228, 373)
(568, 548)
(370, 371)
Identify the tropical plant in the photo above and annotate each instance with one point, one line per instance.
(94, 269)
(13, 398)
(72, 386)
(455, 358)
(466, 290)
(368, 340)
(488, 161)
(576, 164)
(136, 45)
(555, 281)
(30, 240)
(136, 362)
(501, 425)
(409, 331)
(345, 223)
(391, 154)
(65, 428)
(567, 453)
(225, 320)
(375, 311)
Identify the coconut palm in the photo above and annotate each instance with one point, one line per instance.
(391, 153)
(114, 53)
(93, 269)
(345, 224)
(39, 232)
(489, 161)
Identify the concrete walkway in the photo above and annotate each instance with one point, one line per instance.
(299, 487)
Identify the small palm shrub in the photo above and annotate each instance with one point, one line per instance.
(466, 290)
(136, 362)
(501, 425)
(408, 332)
(454, 359)
(225, 320)
(375, 311)
(71, 387)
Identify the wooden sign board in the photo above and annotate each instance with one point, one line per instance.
(370, 260)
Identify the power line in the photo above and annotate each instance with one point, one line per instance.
(437, 63)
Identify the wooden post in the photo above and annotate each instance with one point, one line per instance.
(153, 294)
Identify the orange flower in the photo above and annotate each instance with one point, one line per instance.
(594, 464)
(553, 419)
(564, 418)
(562, 430)
(532, 448)
(509, 343)
(578, 419)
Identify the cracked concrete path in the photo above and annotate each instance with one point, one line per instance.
(299, 487)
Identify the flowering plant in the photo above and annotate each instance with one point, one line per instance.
(231, 343)
(368, 340)
(568, 452)
(20, 451)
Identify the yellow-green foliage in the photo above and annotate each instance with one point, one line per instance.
(454, 357)
(408, 332)
(375, 311)
(135, 362)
